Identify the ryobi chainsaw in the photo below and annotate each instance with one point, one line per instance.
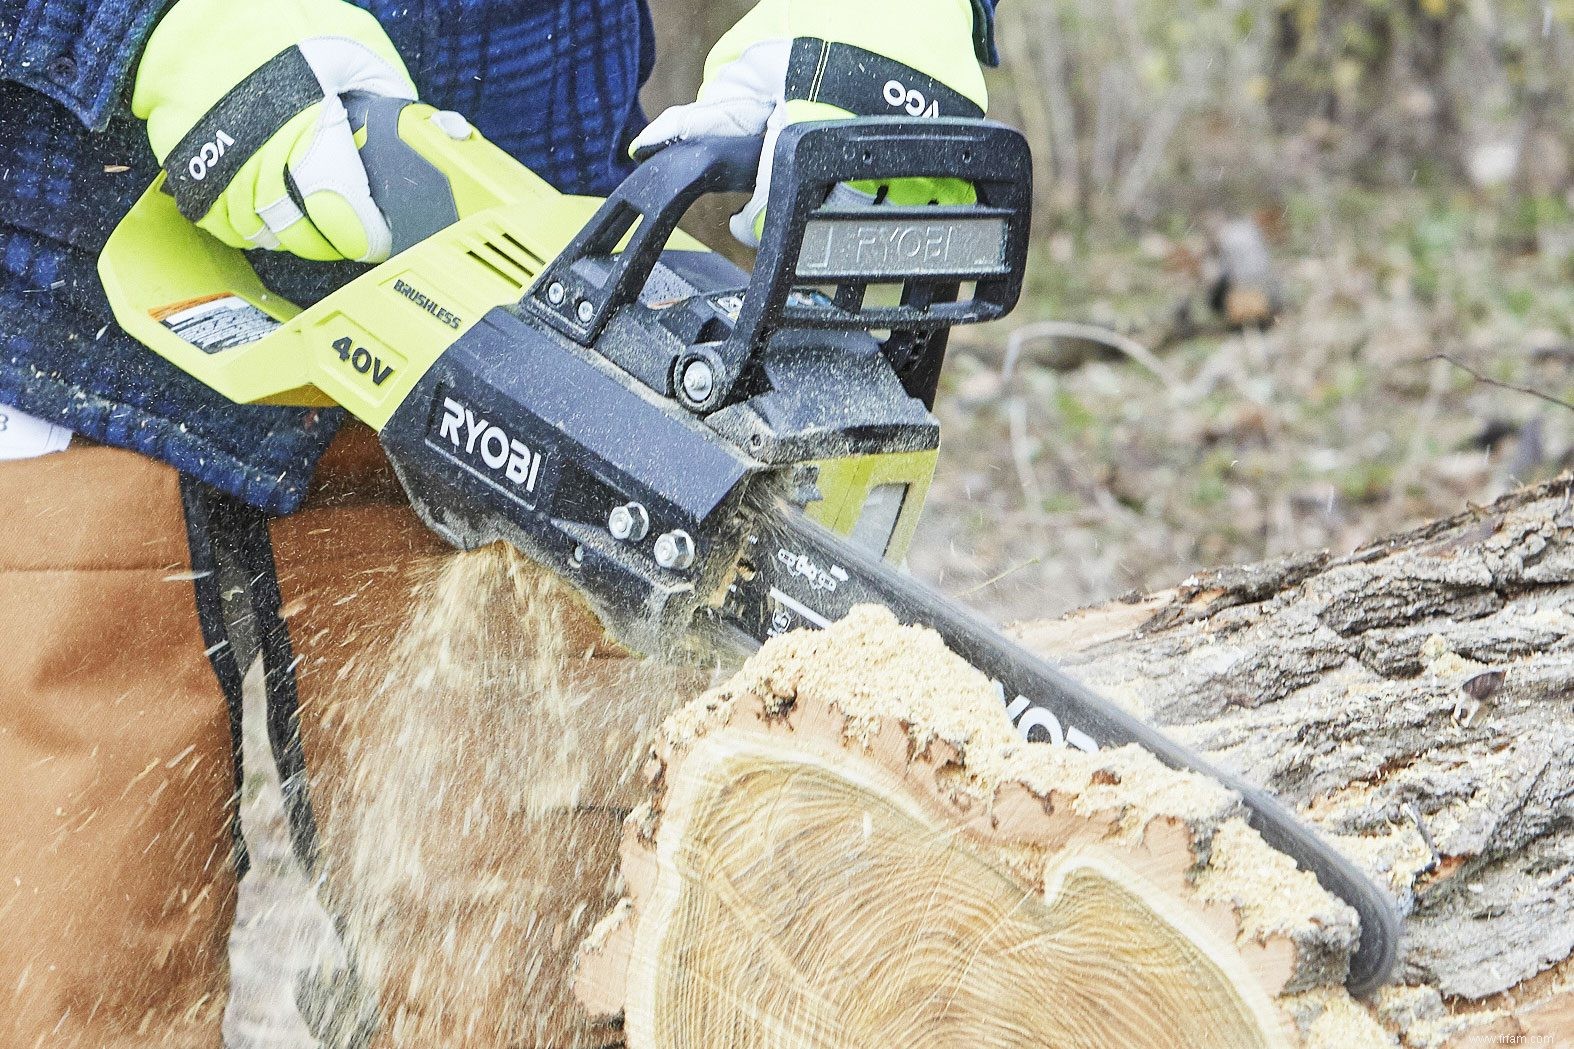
(709, 455)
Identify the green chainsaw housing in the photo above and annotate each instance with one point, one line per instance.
(404, 313)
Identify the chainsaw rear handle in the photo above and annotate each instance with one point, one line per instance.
(414, 195)
(438, 182)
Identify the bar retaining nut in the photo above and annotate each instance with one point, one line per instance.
(629, 523)
(675, 550)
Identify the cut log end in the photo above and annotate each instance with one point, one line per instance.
(847, 845)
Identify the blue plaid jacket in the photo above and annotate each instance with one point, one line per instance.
(555, 82)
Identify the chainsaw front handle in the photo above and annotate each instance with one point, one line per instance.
(811, 243)
(606, 265)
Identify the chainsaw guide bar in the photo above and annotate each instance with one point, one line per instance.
(801, 575)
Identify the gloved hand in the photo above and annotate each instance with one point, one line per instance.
(242, 103)
(794, 60)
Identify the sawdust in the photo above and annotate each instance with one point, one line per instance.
(471, 785)
(1271, 897)
(1403, 1006)
(471, 818)
(1443, 662)
(874, 669)
(1420, 1013)
(1327, 1018)
(1397, 859)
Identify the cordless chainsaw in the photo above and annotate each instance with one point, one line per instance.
(711, 456)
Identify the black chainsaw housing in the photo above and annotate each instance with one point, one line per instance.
(546, 419)
(519, 435)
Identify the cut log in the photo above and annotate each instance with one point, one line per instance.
(1415, 700)
(847, 845)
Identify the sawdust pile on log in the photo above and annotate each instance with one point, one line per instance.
(847, 845)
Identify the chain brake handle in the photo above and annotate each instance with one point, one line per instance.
(591, 278)
(928, 250)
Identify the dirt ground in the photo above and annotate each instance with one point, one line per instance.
(1078, 479)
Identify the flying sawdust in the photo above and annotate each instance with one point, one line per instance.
(474, 771)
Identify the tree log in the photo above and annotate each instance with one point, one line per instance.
(846, 845)
(1414, 700)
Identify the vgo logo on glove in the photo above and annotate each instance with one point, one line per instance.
(209, 155)
(900, 96)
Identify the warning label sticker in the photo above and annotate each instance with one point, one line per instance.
(216, 323)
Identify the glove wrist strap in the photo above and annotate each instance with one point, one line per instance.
(868, 84)
(202, 164)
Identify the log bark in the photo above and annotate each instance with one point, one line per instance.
(846, 846)
(1415, 700)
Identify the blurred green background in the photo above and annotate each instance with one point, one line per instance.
(1406, 167)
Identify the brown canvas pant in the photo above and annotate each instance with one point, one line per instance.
(116, 880)
(117, 773)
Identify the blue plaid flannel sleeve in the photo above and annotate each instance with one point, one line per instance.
(78, 52)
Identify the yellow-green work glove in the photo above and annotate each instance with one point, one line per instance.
(243, 108)
(793, 60)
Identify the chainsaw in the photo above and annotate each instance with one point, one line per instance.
(711, 456)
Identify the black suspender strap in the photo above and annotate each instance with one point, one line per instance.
(238, 604)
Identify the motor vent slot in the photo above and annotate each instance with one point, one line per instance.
(509, 278)
(510, 260)
(522, 255)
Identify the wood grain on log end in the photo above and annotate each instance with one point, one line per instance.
(847, 845)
